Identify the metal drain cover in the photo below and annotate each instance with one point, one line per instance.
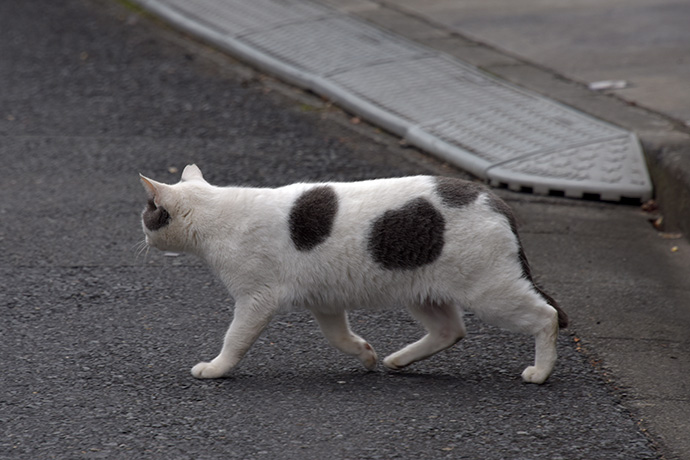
(496, 131)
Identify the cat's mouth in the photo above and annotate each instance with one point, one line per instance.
(150, 242)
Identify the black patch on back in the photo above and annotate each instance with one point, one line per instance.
(407, 237)
(312, 216)
(501, 207)
(457, 193)
(154, 217)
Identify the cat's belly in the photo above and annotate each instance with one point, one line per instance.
(363, 289)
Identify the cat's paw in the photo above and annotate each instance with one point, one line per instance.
(391, 363)
(533, 374)
(368, 357)
(208, 371)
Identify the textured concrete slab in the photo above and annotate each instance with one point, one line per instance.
(494, 130)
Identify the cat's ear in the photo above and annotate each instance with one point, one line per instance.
(192, 172)
(154, 189)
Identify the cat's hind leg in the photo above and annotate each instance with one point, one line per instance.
(544, 357)
(336, 329)
(526, 312)
(445, 327)
(252, 315)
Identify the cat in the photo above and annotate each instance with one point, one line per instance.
(434, 245)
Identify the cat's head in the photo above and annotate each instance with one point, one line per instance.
(168, 218)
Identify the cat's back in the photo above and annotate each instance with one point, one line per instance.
(389, 192)
(366, 200)
(385, 215)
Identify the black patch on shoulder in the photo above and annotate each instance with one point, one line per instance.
(457, 193)
(154, 217)
(312, 216)
(407, 237)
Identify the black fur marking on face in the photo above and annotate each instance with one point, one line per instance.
(457, 193)
(501, 207)
(312, 216)
(407, 237)
(155, 217)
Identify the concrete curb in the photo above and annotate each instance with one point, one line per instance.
(668, 161)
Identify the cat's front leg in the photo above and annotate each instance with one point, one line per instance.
(251, 317)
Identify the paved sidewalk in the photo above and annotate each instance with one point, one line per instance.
(644, 44)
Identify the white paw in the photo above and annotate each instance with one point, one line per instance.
(207, 371)
(391, 363)
(532, 374)
(368, 357)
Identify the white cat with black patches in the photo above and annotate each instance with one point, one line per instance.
(435, 246)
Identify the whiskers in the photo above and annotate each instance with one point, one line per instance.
(141, 249)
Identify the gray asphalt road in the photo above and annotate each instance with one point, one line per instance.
(97, 340)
